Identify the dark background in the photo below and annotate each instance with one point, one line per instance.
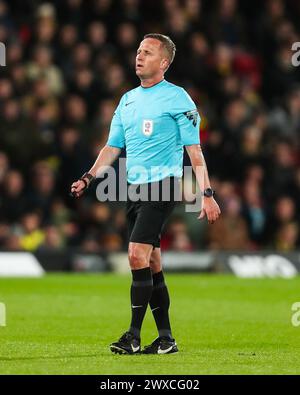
(68, 64)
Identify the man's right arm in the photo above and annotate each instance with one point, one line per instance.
(106, 158)
(108, 154)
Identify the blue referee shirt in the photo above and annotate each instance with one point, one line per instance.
(154, 124)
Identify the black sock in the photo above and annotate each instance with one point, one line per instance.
(160, 303)
(141, 290)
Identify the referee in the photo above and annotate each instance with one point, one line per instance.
(154, 122)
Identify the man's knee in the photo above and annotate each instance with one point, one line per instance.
(137, 257)
(155, 261)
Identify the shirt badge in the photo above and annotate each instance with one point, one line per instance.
(147, 127)
(192, 116)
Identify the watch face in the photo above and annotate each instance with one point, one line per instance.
(208, 192)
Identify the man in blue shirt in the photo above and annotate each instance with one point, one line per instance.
(153, 122)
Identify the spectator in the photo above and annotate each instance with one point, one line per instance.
(176, 237)
(254, 211)
(230, 232)
(284, 213)
(287, 237)
(13, 203)
(4, 165)
(43, 189)
(53, 239)
(281, 170)
(32, 236)
(12, 137)
(45, 24)
(42, 67)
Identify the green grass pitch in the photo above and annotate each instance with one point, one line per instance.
(64, 323)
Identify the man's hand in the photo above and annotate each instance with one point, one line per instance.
(106, 158)
(211, 209)
(78, 187)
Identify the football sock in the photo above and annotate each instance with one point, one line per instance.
(160, 303)
(140, 292)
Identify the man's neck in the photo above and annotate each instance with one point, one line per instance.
(148, 82)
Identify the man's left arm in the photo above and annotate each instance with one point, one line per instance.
(210, 207)
(187, 118)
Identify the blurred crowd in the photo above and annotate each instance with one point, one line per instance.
(68, 64)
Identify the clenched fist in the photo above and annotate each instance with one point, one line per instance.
(78, 187)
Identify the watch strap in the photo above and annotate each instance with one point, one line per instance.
(89, 177)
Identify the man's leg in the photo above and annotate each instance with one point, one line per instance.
(140, 292)
(142, 284)
(145, 221)
(160, 301)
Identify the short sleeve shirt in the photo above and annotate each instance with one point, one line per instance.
(154, 124)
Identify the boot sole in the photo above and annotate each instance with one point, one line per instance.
(121, 351)
(173, 351)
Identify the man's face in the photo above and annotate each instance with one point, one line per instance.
(150, 59)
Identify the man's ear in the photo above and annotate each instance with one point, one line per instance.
(165, 63)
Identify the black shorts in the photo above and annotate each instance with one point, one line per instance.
(146, 219)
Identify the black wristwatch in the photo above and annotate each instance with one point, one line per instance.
(208, 192)
(89, 177)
